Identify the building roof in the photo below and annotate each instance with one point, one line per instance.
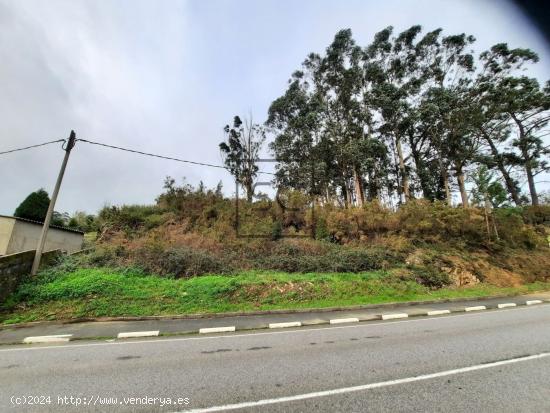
(41, 223)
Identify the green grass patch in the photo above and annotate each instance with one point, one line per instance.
(69, 293)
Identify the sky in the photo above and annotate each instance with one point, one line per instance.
(166, 76)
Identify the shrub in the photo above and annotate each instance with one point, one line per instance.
(431, 276)
(180, 262)
(276, 230)
(536, 215)
(321, 230)
(129, 217)
(337, 259)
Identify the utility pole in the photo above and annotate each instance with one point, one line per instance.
(49, 214)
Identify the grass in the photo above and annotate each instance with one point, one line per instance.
(101, 292)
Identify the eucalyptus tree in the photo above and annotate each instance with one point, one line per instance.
(497, 64)
(303, 155)
(241, 149)
(528, 106)
(448, 68)
(391, 66)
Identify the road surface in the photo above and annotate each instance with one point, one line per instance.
(493, 361)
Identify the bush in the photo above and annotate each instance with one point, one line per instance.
(129, 217)
(431, 277)
(181, 262)
(536, 215)
(336, 259)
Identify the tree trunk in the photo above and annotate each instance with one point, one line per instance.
(422, 174)
(462, 187)
(402, 170)
(358, 183)
(445, 177)
(510, 185)
(345, 195)
(531, 181)
(526, 159)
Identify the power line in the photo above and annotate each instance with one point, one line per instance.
(32, 146)
(161, 156)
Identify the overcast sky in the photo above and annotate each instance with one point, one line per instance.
(165, 76)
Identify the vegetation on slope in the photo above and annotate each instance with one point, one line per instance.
(66, 292)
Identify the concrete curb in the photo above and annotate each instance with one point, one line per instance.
(263, 312)
(297, 324)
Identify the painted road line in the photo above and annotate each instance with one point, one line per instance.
(344, 320)
(475, 308)
(394, 316)
(132, 334)
(216, 330)
(60, 338)
(532, 302)
(438, 312)
(285, 325)
(364, 387)
(504, 305)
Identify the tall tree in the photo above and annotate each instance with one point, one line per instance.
(241, 150)
(529, 109)
(497, 64)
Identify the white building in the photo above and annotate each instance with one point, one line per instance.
(19, 234)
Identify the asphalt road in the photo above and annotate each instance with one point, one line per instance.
(493, 361)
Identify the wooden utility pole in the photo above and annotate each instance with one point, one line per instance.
(49, 214)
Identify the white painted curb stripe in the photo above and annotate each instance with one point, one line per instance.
(393, 316)
(344, 320)
(504, 305)
(285, 325)
(439, 312)
(475, 308)
(369, 386)
(216, 330)
(48, 339)
(531, 302)
(131, 334)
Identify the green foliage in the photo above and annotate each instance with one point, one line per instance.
(430, 276)
(405, 115)
(180, 262)
(34, 206)
(291, 258)
(537, 215)
(486, 188)
(103, 292)
(127, 217)
(321, 230)
(241, 152)
(276, 230)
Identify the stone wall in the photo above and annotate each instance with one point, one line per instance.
(14, 267)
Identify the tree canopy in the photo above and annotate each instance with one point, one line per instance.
(411, 115)
(34, 206)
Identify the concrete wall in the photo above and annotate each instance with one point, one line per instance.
(6, 228)
(14, 267)
(25, 236)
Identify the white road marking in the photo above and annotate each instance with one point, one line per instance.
(363, 387)
(59, 338)
(131, 334)
(394, 316)
(531, 302)
(285, 325)
(439, 312)
(504, 305)
(255, 333)
(344, 320)
(216, 330)
(475, 308)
